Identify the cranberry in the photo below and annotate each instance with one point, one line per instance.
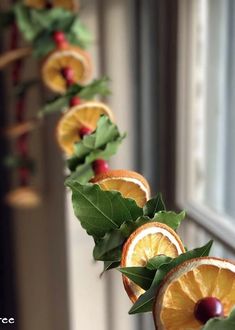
(59, 37)
(84, 131)
(68, 75)
(208, 308)
(75, 101)
(48, 5)
(100, 166)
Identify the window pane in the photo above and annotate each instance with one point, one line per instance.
(211, 117)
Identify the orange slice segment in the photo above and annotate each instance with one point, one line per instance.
(146, 242)
(187, 284)
(71, 57)
(23, 198)
(129, 183)
(19, 129)
(84, 115)
(39, 4)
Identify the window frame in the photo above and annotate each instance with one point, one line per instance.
(219, 225)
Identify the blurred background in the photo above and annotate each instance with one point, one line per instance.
(172, 66)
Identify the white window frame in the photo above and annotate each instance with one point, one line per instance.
(218, 224)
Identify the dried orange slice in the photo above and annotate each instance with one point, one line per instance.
(71, 57)
(39, 4)
(23, 198)
(146, 242)
(16, 130)
(129, 183)
(83, 115)
(189, 285)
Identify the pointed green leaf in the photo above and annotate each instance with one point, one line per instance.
(127, 228)
(169, 218)
(54, 19)
(227, 323)
(110, 241)
(24, 22)
(154, 205)
(109, 265)
(109, 150)
(43, 44)
(78, 34)
(97, 87)
(83, 173)
(144, 303)
(101, 211)
(102, 144)
(156, 262)
(56, 104)
(139, 275)
(113, 255)
(105, 132)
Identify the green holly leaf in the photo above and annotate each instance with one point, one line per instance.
(102, 144)
(79, 34)
(43, 44)
(37, 26)
(97, 87)
(51, 20)
(170, 218)
(145, 301)
(154, 205)
(58, 103)
(83, 173)
(105, 132)
(109, 150)
(227, 323)
(101, 211)
(139, 275)
(23, 17)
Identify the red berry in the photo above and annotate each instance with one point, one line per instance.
(68, 75)
(100, 166)
(49, 5)
(208, 308)
(75, 101)
(59, 38)
(84, 131)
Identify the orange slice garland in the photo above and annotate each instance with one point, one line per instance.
(129, 183)
(187, 285)
(83, 115)
(146, 242)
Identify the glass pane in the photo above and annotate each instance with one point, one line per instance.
(212, 118)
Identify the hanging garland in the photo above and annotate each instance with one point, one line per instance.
(132, 231)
